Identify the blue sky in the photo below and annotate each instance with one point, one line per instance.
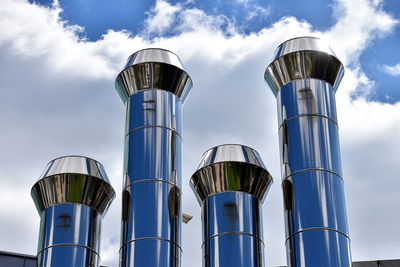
(98, 16)
(59, 63)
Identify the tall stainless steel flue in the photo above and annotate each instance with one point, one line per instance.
(230, 184)
(153, 87)
(72, 195)
(304, 76)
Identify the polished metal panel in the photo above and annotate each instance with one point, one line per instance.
(154, 55)
(309, 142)
(154, 108)
(72, 188)
(319, 248)
(231, 176)
(152, 194)
(306, 97)
(231, 167)
(71, 196)
(301, 58)
(232, 230)
(304, 77)
(153, 68)
(304, 43)
(70, 224)
(154, 212)
(77, 165)
(73, 179)
(230, 183)
(68, 256)
(150, 252)
(69, 228)
(152, 225)
(232, 212)
(233, 250)
(153, 87)
(153, 153)
(231, 152)
(308, 198)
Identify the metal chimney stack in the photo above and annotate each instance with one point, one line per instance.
(304, 76)
(71, 196)
(230, 185)
(153, 87)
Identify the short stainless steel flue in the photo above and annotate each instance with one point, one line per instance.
(304, 76)
(153, 87)
(230, 184)
(72, 195)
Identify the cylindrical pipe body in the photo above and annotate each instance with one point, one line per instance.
(230, 183)
(315, 211)
(69, 236)
(71, 196)
(151, 224)
(232, 230)
(153, 87)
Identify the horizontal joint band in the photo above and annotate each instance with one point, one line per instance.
(153, 126)
(232, 233)
(317, 229)
(230, 191)
(152, 180)
(151, 238)
(67, 245)
(307, 115)
(312, 169)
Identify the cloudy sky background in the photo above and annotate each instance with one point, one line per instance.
(58, 65)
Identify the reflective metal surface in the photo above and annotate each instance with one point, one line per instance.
(71, 196)
(314, 199)
(230, 176)
(153, 223)
(154, 108)
(77, 165)
(153, 153)
(309, 142)
(306, 97)
(318, 248)
(229, 153)
(301, 58)
(231, 212)
(304, 43)
(232, 230)
(154, 55)
(230, 184)
(153, 86)
(304, 76)
(160, 215)
(153, 68)
(234, 250)
(73, 179)
(152, 252)
(231, 168)
(69, 236)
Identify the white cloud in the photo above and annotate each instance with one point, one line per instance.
(392, 70)
(165, 15)
(162, 16)
(253, 9)
(58, 98)
(359, 23)
(377, 2)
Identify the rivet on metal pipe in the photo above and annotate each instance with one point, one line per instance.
(304, 76)
(230, 184)
(71, 196)
(153, 87)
